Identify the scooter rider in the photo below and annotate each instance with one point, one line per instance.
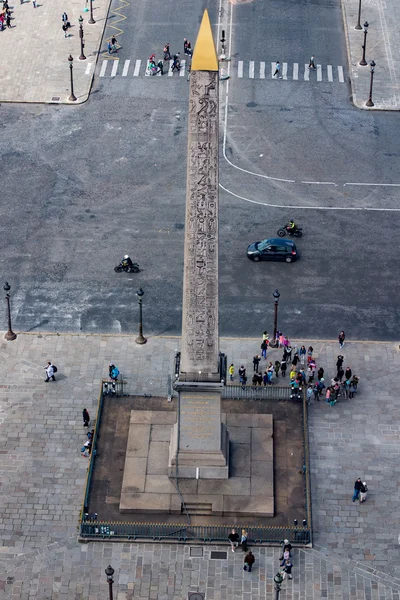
(291, 226)
(127, 262)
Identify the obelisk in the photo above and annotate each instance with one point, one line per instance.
(199, 441)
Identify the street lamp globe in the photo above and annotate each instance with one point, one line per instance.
(276, 295)
(109, 572)
(80, 20)
(278, 579)
(366, 25)
(7, 287)
(140, 293)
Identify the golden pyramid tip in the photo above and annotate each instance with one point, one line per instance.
(204, 54)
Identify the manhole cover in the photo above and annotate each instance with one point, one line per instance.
(198, 552)
(219, 555)
(196, 596)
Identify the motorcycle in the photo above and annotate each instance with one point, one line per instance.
(298, 232)
(134, 268)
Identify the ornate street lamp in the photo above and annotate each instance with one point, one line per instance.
(82, 56)
(72, 97)
(91, 20)
(276, 296)
(372, 64)
(140, 338)
(358, 26)
(10, 335)
(278, 579)
(363, 62)
(110, 572)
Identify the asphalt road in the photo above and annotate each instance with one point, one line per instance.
(84, 185)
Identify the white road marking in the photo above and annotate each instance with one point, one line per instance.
(182, 71)
(136, 70)
(103, 68)
(284, 70)
(88, 68)
(126, 68)
(240, 69)
(170, 73)
(340, 74)
(114, 70)
(330, 73)
(262, 70)
(319, 73)
(295, 71)
(306, 73)
(251, 69)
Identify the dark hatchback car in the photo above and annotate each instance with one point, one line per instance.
(273, 249)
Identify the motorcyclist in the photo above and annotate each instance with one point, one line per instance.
(126, 262)
(291, 226)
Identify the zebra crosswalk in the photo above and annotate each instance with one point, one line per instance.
(238, 70)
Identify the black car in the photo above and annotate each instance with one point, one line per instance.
(273, 249)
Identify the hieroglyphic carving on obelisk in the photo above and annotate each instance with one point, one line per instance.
(200, 325)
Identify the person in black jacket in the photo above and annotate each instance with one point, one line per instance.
(357, 488)
(234, 539)
(249, 561)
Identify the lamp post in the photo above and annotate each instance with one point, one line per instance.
(10, 335)
(72, 97)
(372, 64)
(278, 582)
(140, 338)
(82, 56)
(363, 62)
(91, 20)
(358, 26)
(110, 572)
(276, 296)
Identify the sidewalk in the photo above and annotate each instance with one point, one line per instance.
(383, 46)
(43, 477)
(34, 51)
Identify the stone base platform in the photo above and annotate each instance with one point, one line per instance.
(146, 486)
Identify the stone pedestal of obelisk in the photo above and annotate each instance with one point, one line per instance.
(199, 441)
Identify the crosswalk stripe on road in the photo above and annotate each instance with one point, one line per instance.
(241, 69)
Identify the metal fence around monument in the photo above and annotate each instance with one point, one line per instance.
(162, 532)
(234, 391)
(93, 528)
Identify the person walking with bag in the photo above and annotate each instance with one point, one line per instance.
(363, 492)
(243, 541)
(249, 561)
(50, 371)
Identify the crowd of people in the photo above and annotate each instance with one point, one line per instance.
(154, 67)
(303, 371)
(236, 540)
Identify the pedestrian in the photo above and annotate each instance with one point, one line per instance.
(347, 373)
(243, 540)
(256, 362)
(86, 417)
(283, 367)
(65, 28)
(231, 372)
(352, 389)
(286, 556)
(277, 366)
(34, 3)
(265, 336)
(345, 388)
(265, 377)
(309, 354)
(8, 21)
(234, 539)
(320, 374)
(167, 55)
(281, 340)
(287, 569)
(277, 70)
(292, 374)
(316, 391)
(64, 17)
(295, 359)
(187, 47)
(357, 488)
(312, 63)
(286, 546)
(328, 394)
(242, 373)
(310, 394)
(254, 381)
(311, 372)
(50, 371)
(160, 66)
(363, 492)
(264, 346)
(249, 561)
(301, 375)
(355, 381)
(270, 372)
(288, 350)
(302, 354)
(259, 378)
(113, 372)
(341, 338)
(339, 361)
(176, 63)
(244, 381)
(340, 373)
(114, 42)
